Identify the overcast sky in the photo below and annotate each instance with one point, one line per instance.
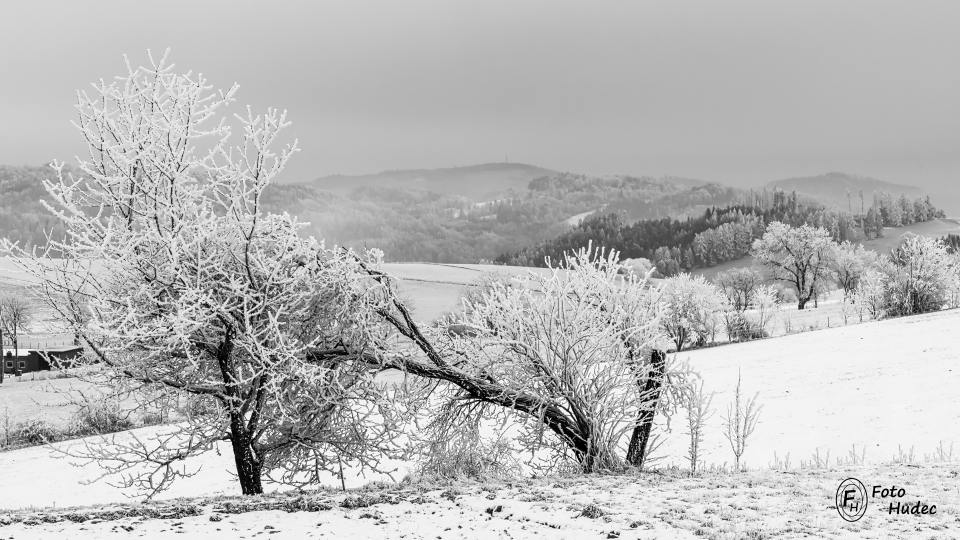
(733, 91)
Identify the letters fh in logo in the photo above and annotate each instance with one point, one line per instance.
(851, 499)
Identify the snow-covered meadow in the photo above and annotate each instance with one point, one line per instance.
(881, 386)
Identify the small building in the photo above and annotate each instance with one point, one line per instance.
(29, 360)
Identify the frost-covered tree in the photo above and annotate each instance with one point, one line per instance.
(848, 262)
(688, 302)
(570, 353)
(16, 316)
(739, 286)
(919, 276)
(869, 296)
(640, 266)
(767, 305)
(184, 291)
(797, 255)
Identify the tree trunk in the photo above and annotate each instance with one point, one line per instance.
(249, 466)
(802, 303)
(680, 339)
(637, 451)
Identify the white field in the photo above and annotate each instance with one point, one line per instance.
(42, 477)
(36, 395)
(876, 385)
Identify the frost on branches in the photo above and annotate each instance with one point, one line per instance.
(184, 291)
(919, 276)
(693, 309)
(848, 263)
(572, 351)
(797, 255)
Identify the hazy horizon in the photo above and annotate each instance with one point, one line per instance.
(739, 93)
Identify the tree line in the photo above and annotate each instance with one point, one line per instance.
(722, 234)
(801, 264)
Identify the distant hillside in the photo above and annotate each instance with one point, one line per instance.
(832, 188)
(475, 182)
(22, 217)
(396, 212)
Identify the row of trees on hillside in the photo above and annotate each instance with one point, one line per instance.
(920, 275)
(807, 259)
(718, 235)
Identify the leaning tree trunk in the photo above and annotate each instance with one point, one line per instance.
(637, 451)
(249, 466)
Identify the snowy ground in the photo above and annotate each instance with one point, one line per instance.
(37, 396)
(760, 504)
(877, 385)
(42, 476)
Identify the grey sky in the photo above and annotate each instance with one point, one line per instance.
(733, 91)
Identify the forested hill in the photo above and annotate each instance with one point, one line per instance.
(721, 234)
(420, 225)
(22, 217)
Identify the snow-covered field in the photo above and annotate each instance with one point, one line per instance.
(876, 385)
(44, 398)
(754, 505)
(41, 477)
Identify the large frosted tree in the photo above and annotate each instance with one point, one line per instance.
(797, 255)
(183, 290)
(572, 354)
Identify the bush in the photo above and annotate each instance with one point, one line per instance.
(470, 456)
(787, 295)
(739, 328)
(98, 419)
(34, 432)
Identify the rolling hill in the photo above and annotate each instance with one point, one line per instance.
(475, 182)
(831, 189)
